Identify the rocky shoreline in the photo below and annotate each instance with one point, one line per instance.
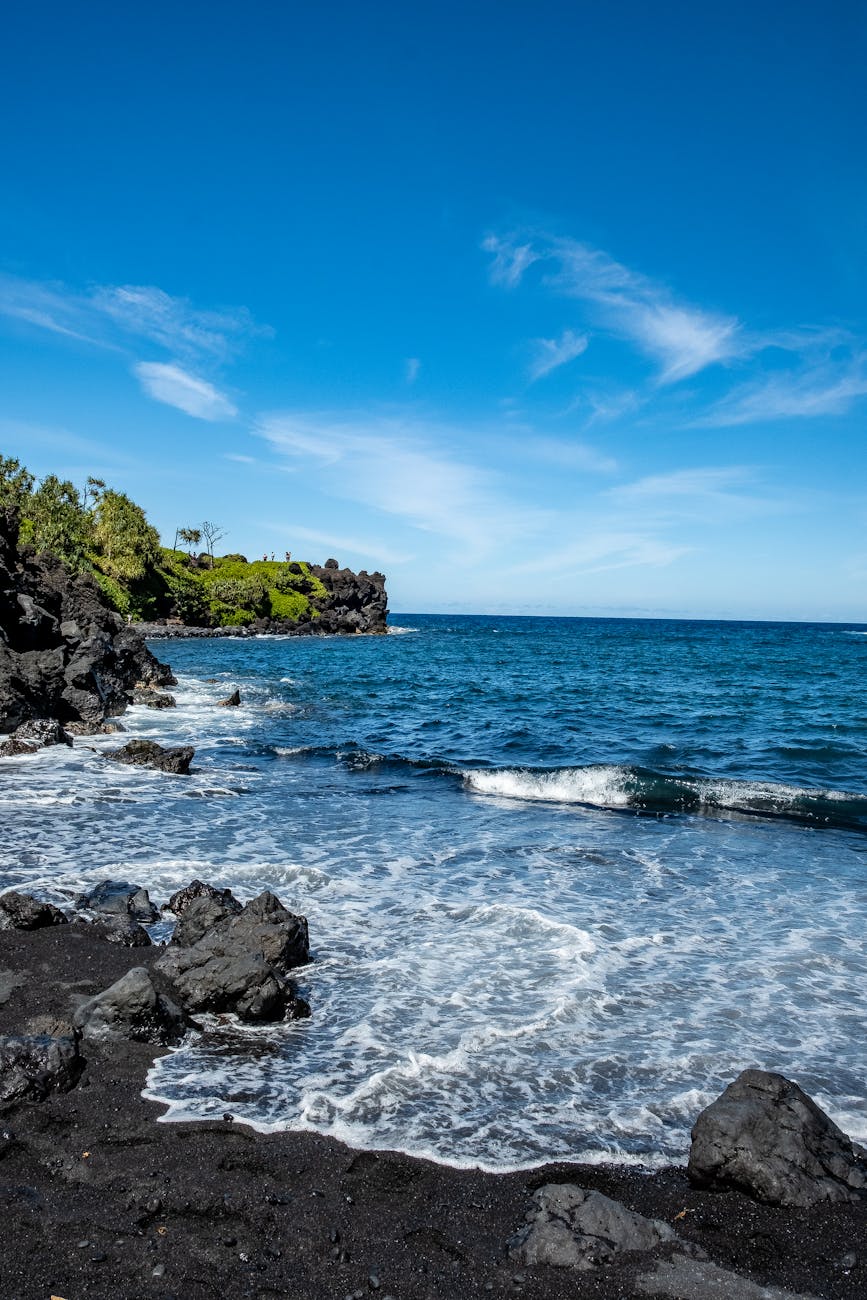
(186, 631)
(100, 1200)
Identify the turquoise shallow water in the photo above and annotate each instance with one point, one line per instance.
(564, 877)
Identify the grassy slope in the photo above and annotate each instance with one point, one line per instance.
(195, 593)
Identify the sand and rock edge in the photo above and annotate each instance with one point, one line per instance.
(100, 1200)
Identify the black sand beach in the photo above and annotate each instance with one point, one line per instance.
(101, 1200)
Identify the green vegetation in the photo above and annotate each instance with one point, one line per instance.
(104, 533)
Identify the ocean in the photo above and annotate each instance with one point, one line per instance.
(565, 878)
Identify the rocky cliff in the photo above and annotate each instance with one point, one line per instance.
(64, 653)
(356, 602)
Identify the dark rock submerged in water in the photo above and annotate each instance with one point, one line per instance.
(766, 1137)
(147, 753)
(63, 653)
(34, 734)
(119, 898)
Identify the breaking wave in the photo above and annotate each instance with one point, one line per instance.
(618, 787)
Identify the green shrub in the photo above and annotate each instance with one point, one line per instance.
(240, 593)
(289, 604)
(291, 577)
(117, 596)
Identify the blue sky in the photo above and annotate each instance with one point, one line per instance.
(538, 308)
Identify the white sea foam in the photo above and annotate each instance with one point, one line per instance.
(603, 786)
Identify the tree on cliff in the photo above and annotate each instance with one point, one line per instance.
(126, 544)
(213, 533)
(56, 522)
(190, 537)
(16, 484)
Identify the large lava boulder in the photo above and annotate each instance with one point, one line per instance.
(118, 899)
(147, 753)
(240, 964)
(22, 912)
(199, 907)
(132, 1008)
(766, 1137)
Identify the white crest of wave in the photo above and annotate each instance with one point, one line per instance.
(605, 786)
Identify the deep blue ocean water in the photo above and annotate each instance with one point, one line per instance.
(564, 877)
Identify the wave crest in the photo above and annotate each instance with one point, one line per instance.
(614, 786)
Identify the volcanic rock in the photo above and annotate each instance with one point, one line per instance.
(34, 734)
(200, 916)
(231, 701)
(240, 964)
(182, 898)
(122, 930)
(766, 1137)
(132, 1008)
(153, 699)
(21, 912)
(573, 1228)
(31, 1067)
(119, 898)
(147, 753)
(63, 653)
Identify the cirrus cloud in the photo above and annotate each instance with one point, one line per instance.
(183, 390)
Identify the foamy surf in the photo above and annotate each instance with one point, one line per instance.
(618, 787)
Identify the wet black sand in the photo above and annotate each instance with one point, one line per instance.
(97, 1199)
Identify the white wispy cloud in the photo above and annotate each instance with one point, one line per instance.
(829, 388)
(569, 453)
(703, 495)
(549, 354)
(681, 338)
(183, 390)
(603, 548)
(49, 307)
(375, 551)
(147, 312)
(405, 469)
(413, 366)
(510, 259)
(86, 451)
(108, 316)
